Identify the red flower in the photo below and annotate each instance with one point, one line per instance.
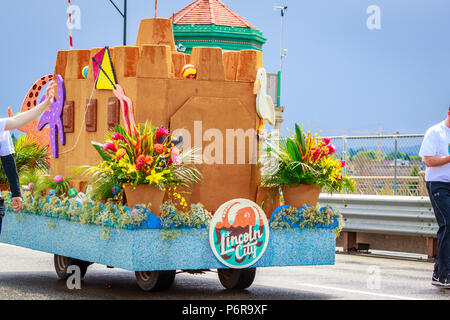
(343, 163)
(332, 149)
(117, 136)
(161, 132)
(158, 148)
(140, 163)
(110, 146)
(316, 155)
(326, 141)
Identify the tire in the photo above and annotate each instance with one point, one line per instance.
(237, 278)
(154, 281)
(63, 263)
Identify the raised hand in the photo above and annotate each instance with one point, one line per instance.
(50, 94)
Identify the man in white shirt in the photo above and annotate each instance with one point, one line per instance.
(7, 148)
(435, 151)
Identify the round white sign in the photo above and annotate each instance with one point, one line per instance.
(239, 233)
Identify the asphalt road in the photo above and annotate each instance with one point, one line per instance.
(30, 275)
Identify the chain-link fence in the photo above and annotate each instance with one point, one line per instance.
(383, 165)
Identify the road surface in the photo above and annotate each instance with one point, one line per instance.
(30, 275)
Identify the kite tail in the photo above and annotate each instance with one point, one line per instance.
(127, 109)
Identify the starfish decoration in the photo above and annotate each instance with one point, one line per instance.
(54, 118)
(30, 101)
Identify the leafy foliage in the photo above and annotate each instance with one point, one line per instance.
(29, 156)
(172, 219)
(307, 159)
(48, 183)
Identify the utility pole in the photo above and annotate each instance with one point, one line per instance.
(124, 16)
(283, 52)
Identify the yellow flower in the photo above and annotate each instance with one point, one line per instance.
(155, 177)
(121, 153)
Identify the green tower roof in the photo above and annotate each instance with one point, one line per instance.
(210, 23)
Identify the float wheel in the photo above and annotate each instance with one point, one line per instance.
(237, 278)
(63, 263)
(153, 281)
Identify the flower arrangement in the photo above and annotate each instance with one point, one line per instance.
(108, 215)
(307, 159)
(307, 218)
(145, 155)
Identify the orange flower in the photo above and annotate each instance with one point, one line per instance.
(325, 150)
(158, 148)
(149, 160)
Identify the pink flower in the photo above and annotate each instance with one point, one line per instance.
(343, 163)
(161, 132)
(332, 149)
(110, 146)
(326, 141)
(117, 136)
(174, 159)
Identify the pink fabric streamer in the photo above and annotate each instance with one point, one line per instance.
(127, 109)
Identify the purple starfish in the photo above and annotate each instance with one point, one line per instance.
(54, 118)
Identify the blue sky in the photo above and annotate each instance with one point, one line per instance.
(340, 77)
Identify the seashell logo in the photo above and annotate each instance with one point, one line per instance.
(239, 233)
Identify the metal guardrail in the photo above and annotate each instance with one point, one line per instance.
(397, 215)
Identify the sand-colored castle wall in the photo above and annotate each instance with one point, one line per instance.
(156, 31)
(221, 97)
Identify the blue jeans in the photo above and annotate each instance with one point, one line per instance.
(440, 199)
(2, 212)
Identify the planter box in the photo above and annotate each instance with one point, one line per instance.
(144, 250)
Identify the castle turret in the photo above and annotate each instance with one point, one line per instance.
(211, 23)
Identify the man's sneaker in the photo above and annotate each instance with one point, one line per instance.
(435, 280)
(446, 283)
(443, 283)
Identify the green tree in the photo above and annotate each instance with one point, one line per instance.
(368, 155)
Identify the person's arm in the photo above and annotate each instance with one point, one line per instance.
(24, 118)
(9, 165)
(436, 161)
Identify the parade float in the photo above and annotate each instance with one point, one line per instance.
(155, 168)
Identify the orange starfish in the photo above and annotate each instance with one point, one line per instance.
(30, 101)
